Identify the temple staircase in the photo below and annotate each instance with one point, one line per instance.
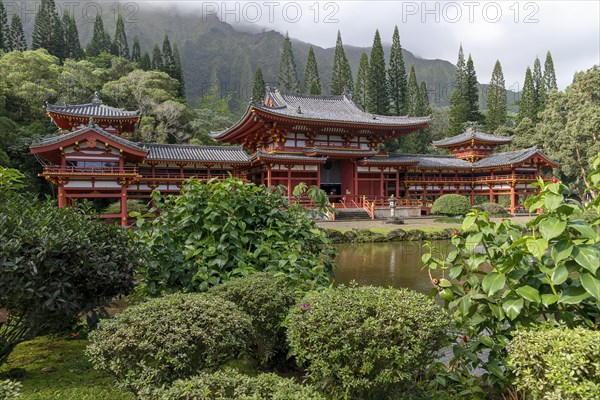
(351, 214)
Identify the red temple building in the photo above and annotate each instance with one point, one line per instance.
(292, 138)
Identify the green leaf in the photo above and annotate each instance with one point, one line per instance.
(447, 294)
(561, 250)
(559, 275)
(468, 221)
(548, 299)
(455, 272)
(492, 283)
(573, 295)
(584, 229)
(445, 283)
(529, 293)
(552, 227)
(473, 240)
(537, 247)
(591, 284)
(553, 201)
(465, 305)
(513, 307)
(588, 257)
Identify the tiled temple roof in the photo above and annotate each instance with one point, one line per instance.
(287, 157)
(95, 109)
(470, 134)
(450, 162)
(330, 108)
(95, 128)
(181, 152)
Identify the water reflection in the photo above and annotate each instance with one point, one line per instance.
(395, 264)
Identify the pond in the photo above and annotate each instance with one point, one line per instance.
(395, 264)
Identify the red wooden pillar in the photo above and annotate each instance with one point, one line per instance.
(512, 198)
(491, 186)
(318, 175)
(355, 193)
(269, 175)
(397, 183)
(62, 201)
(124, 204)
(381, 182)
(289, 181)
(472, 195)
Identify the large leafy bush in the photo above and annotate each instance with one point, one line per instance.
(267, 299)
(501, 277)
(168, 338)
(56, 266)
(230, 384)
(451, 204)
(219, 230)
(366, 342)
(492, 209)
(556, 363)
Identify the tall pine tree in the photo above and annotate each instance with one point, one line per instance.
(397, 76)
(527, 104)
(472, 92)
(538, 84)
(378, 100)
(178, 73)
(157, 60)
(42, 26)
(288, 77)
(4, 29)
(145, 62)
(16, 38)
(362, 82)
(426, 107)
(58, 46)
(496, 100)
(72, 42)
(100, 39)
(169, 65)
(258, 88)
(459, 109)
(120, 45)
(414, 103)
(312, 82)
(48, 31)
(341, 74)
(549, 74)
(136, 51)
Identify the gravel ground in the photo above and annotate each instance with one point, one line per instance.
(409, 223)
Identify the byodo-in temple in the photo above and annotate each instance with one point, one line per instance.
(292, 138)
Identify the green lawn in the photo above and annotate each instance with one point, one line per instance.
(57, 368)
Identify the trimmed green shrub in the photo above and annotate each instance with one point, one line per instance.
(366, 342)
(216, 231)
(492, 209)
(132, 206)
(169, 338)
(451, 204)
(9, 390)
(557, 363)
(267, 299)
(230, 384)
(56, 266)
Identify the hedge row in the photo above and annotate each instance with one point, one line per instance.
(397, 235)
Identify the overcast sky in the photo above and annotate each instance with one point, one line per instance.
(513, 32)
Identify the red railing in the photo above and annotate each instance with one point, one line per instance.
(187, 175)
(415, 179)
(74, 170)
